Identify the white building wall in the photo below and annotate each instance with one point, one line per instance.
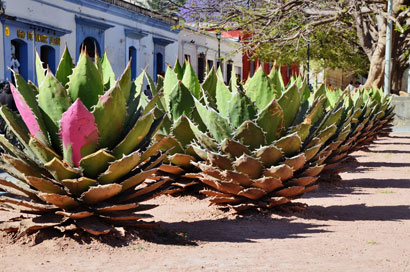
(62, 13)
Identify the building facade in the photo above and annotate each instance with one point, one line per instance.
(125, 31)
(201, 48)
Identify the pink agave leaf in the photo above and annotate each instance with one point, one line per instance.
(27, 114)
(78, 132)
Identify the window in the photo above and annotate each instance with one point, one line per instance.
(159, 65)
(201, 67)
(91, 46)
(229, 71)
(132, 56)
(210, 64)
(21, 55)
(48, 57)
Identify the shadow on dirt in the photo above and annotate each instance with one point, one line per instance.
(244, 229)
(358, 212)
(383, 164)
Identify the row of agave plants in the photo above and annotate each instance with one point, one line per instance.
(95, 147)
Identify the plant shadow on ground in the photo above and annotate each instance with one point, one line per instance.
(356, 212)
(247, 228)
(244, 229)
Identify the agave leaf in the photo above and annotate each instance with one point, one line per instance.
(125, 81)
(277, 81)
(40, 71)
(260, 90)
(61, 201)
(233, 84)
(22, 188)
(202, 138)
(253, 193)
(217, 125)
(80, 185)
(210, 82)
(234, 148)
(135, 136)
(248, 165)
(223, 96)
(136, 179)
(156, 88)
(53, 100)
(219, 160)
(182, 131)
(178, 70)
(43, 152)
(170, 80)
(29, 204)
(180, 101)
(190, 80)
(312, 151)
(290, 192)
(241, 109)
(290, 144)
(120, 168)
(182, 160)
(321, 91)
(297, 162)
(170, 143)
(133, 105)
(108, 75)
(323, 136)
(60, 170)
(155, 101)
(11, 149)
(290, 103)
(313, 171)
(85, 82)
(110, 113)
(44, 185)
(154, 149)
(16, 124)
(65, 68)
(251, 135)
(27, 106)
(271, 120)
(269, 155)
(282, 172)
(268, 184)
(94, 164)
(21, 166)
(223, 186)
(144, 191)
(79, 133)
(100, 193)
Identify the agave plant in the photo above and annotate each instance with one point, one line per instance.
(371, 115)
(260, 144)
(88, 159)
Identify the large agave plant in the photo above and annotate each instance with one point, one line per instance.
(88, 159)
(260, 144)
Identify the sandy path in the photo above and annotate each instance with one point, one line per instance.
(362, 224)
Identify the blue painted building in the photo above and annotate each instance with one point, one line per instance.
(124, 30)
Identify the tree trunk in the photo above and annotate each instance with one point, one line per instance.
(375, 77)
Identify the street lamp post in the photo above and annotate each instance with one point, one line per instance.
(388, 50)
(308, 62)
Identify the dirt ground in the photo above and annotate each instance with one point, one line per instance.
(361, 223)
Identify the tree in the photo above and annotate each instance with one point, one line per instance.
(344, 33)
